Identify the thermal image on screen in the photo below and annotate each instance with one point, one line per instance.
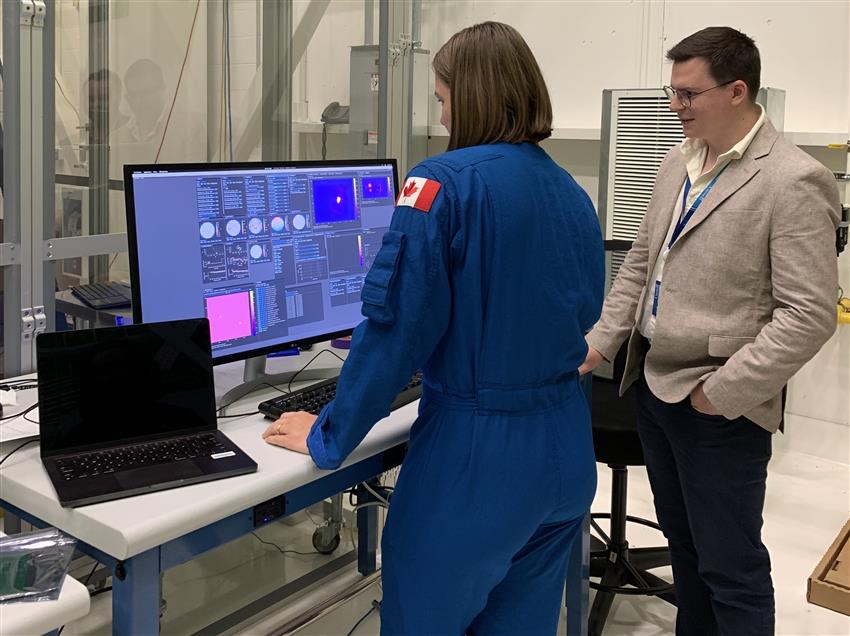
(334, 200)
(375, 188)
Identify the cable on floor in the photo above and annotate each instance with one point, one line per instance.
(376, 605)
(281, 550)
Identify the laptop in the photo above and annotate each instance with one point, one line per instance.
(130, 410)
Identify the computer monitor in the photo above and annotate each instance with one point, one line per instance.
(274, 254)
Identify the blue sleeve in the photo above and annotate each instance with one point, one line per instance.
(407, 303)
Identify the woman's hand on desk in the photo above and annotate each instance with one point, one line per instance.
(290, 431)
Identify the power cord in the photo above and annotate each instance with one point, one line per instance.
(179, 80)
(22, 413)
(19, 385)
(266, 384)
(377, 496)
(381, 500)
(370, 504)
(259, 386)
(16, 449)
(91, 574)
(301, 370)
(281, 550)
(224, 417)
(376, 605)
(85, 583)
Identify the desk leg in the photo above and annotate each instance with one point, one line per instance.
(578, 591)
(367, 540)
(135, 600)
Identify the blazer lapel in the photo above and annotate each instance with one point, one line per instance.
(672, 183)
(735, 176)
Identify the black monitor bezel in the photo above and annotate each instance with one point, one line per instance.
(130, 208)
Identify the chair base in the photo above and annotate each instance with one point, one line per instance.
(624, 570)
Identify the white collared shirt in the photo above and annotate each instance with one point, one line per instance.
(694, 151)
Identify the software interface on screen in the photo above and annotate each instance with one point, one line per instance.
(269, 255)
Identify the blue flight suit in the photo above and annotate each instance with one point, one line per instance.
(490, 293)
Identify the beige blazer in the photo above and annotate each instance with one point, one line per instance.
(749, 287)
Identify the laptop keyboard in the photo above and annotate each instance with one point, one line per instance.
(313, 398)
(137, 456)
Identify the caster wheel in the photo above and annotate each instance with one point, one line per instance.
(324, 542)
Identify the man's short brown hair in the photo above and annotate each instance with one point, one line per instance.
(497, 90)
(730, 54)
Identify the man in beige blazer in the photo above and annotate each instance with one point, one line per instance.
(728, 290)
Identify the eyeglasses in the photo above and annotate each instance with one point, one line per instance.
(685, 96)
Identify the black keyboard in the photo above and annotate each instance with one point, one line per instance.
(103, 295)
(148, 454)
(314, 397)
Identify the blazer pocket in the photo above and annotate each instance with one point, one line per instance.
(379, 281)
(726, 346)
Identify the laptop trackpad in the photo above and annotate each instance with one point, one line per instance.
(162, 473)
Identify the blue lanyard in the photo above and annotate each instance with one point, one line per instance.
(684, 217)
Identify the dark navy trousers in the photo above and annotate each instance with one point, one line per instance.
(708, 477)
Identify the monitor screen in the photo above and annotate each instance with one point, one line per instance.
(273, 254)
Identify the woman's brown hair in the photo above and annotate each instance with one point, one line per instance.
(497, 90)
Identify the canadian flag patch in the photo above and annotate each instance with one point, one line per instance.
(419, 193)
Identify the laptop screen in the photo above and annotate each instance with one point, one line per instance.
(104, 387)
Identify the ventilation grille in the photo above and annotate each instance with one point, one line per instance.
(644, 130)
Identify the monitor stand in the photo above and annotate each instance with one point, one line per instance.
(254, 376)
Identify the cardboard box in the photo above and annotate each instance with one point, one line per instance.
(829, 584)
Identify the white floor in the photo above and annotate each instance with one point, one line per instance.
(807, 504)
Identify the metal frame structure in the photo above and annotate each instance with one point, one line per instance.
(98, 138)
(28, 49)
(276, 142)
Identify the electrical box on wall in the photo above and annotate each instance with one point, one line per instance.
(364, 90)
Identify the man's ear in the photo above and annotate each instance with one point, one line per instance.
(740, 91)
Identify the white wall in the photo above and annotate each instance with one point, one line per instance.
(804, 46)
(584, 47)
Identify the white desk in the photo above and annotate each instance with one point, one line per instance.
(140, 537)
(127, 527)
(45, 616)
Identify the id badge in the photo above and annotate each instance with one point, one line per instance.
(655, 294)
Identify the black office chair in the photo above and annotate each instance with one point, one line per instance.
(619, 568)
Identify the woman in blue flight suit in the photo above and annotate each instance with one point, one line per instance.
(488, 278)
